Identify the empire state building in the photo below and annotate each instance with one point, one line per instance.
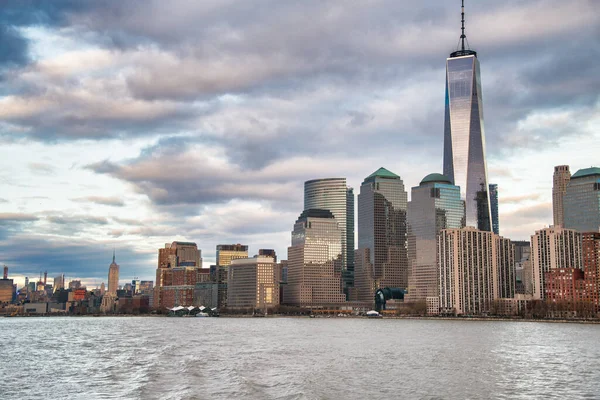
(464, 137)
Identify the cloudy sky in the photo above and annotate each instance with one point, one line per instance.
(130, 124)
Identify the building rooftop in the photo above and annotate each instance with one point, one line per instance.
(436, 178)
(586, 172)
(315, 213)
(382, 173)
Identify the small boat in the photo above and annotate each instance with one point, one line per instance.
(202, 314)
(373, 314)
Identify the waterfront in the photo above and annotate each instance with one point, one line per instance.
(295, 358)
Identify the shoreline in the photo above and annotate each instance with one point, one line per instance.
(427, 318)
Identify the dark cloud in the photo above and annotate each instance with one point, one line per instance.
(29, 254)
(70, 220)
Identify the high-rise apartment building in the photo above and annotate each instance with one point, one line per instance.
(381, 259)
(464, 136)
(6, 288)
(113, 276)
(560, 180)
(253, 283)
(179, 269)
(524, 274)
(314, 276)
(476, 268)
(435, 205)
(553, 248)
(581, 201)
(590, 251)
(334, 195)
(494, 208)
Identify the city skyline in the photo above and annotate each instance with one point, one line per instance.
(101, 150)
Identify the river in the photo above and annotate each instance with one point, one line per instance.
(295, 358)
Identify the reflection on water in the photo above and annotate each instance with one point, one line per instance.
(287, 358)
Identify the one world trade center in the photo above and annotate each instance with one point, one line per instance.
(464, 136)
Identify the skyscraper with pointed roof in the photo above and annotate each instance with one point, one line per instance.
(113, 276)
(381, 259)
(464, 136)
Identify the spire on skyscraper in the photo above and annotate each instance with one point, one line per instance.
(113, 256)
(463, 50)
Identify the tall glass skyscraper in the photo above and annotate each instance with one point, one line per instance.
(332, 194)
(464, 136)
(582, 201)
(494, 208)
(382, 260)
(435, 205)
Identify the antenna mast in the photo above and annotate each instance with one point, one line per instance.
(463, 36)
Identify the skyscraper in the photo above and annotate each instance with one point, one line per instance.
(315, 261)
(332, 194)
(581, 202)
(494, 208)
(561, 178)
(179, 269)
(381, 259)
(464, 136)
(435, 205)
(113, 276)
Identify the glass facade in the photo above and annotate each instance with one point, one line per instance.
(494, 208)
(581, 201)
(382, 206)
(314, 275)
(434, 205)
(464, 138)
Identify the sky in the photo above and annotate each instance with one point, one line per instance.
(128, 125)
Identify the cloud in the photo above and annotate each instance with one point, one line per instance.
(14, 217)
(41, 168)
(106, 201)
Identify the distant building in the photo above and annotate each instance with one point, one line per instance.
(381, 259)
(494, 208)
(6, 288)
(553, 248)
(476, 269)
(334, 195)
(226, 253)
(179, 269)
(560, 180)
(523, 269)
(315, 261)
(113, 276)
(435, 205)
(581, 201)
(268, 253)
(253, 283)
(229, 252)
(75, 284)
(59, 282)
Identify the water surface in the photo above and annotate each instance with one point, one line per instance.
(295, 358)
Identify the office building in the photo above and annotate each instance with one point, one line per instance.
(314, 277)
(113, 276)
(581, 201)
(494, 208)
(560, 180)
(464, 136)
(435, 205)
(226, 253)
(553, 248)
(381, 259)
(229, 252)
(6, 288)
(334, 195)
(179, 269)
(476, 268)
(524, 274)
(253, 283)
(59, 282)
